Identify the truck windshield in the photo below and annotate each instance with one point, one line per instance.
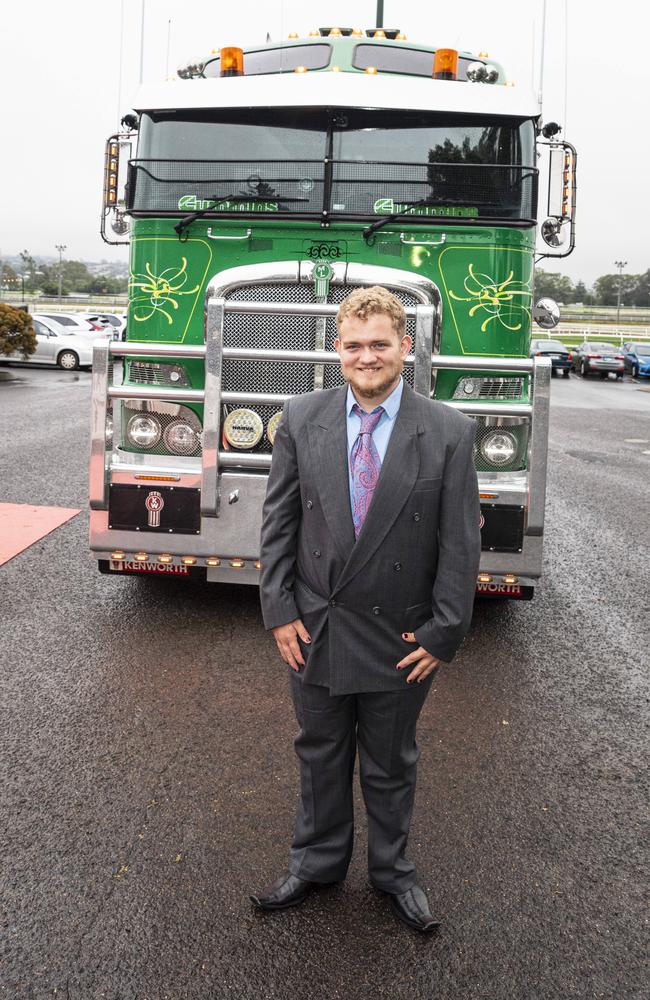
(356, 163)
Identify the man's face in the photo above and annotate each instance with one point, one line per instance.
(372, 354)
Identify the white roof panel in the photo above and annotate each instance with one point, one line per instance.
(322, 89)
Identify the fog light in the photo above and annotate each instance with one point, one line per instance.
(140, 556)
(272, 426)
(165, 558)
(188, 560)
(117, 555)
(237, 563)
(213, 561)
(484, 578)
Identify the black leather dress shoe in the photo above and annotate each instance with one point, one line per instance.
(412, 908)
(288, 890)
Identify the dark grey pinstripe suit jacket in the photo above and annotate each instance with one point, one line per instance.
(414, 565)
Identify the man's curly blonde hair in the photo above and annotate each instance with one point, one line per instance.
(366, 302)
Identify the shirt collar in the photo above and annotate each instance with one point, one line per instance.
(391, 404)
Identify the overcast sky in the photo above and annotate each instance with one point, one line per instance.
(60, 87)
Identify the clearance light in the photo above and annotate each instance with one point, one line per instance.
(445, 64)
(293, 34)
(483, 55)
(314, 34)
(232, 62)
(400, 37)
(160, 479)
(258, 564)
(215, 52)
(356, 33)
(510, 578)
(165, 558)
(335, 69)
(117, 555)
(484, 578)
(488, 496)
(300, 69)
(380, 33)
(188, 560)
(372, 70)
(140, 556)
(213, 561)
(510, 83)
(237, 563)
(336, 33)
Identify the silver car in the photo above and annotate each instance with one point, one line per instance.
(57, 345)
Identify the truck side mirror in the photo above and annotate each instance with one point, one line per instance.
(116, 160)
(558, 229)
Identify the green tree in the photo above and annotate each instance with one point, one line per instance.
(555, 286)
(641, 293)
(606, 288)
(16, 332)
(29, 269)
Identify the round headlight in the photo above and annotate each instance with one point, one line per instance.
(243, 428)
(477, 72)
(272, 426)
(499, 447)
(180, 438)
(143, 431)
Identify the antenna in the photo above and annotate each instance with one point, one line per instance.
(169, 37)
(541, 63)
(380, 14)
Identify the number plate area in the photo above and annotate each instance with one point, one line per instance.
(164, 510)
(502, 527)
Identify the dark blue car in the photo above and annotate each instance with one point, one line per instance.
(636, 359)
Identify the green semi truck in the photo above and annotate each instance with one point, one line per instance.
(256, 190)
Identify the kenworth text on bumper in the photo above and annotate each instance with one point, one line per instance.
(256, 191)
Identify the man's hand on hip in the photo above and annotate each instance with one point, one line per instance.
(286, 638)
(425, 663)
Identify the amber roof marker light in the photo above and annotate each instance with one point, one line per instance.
(445, 64)
(231, 62)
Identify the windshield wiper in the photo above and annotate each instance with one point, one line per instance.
(396, 215)
(193, 216)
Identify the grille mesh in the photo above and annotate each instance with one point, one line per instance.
(150, 373)
(490, 388)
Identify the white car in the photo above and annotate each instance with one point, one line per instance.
(60, 345)
(115, 322)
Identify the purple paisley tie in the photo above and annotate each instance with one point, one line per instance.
(364, 465)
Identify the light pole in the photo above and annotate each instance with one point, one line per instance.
(620, 264)
(61, 247)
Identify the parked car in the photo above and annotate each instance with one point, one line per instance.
(561, 358)
(113, 321)
(636, 359)
(74, 321)
(593, 357)
(60, 345)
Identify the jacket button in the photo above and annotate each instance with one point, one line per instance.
(317, 553)
(309, 504)
(397, 566)
(376, 611)
(416, 516)
(332, 603)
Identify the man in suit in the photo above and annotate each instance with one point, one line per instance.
(370, 552)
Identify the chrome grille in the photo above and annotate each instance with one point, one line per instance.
(295, 333)
(490, 388)
(152, 373)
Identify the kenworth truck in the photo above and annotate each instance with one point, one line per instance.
(269, 182)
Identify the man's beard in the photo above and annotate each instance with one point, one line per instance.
(370, 392)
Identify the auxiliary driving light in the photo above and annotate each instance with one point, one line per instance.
(272, 426)
(243, 428)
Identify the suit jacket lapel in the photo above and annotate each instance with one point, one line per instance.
(399, 471)
(328, 440)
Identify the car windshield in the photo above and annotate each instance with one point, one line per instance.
(338, 161)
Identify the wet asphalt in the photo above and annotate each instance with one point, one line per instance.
(148, 780)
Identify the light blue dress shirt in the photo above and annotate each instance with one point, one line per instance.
(384, 428)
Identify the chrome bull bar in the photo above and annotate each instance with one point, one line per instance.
(211, 397)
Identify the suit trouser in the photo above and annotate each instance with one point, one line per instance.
(382, 724)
